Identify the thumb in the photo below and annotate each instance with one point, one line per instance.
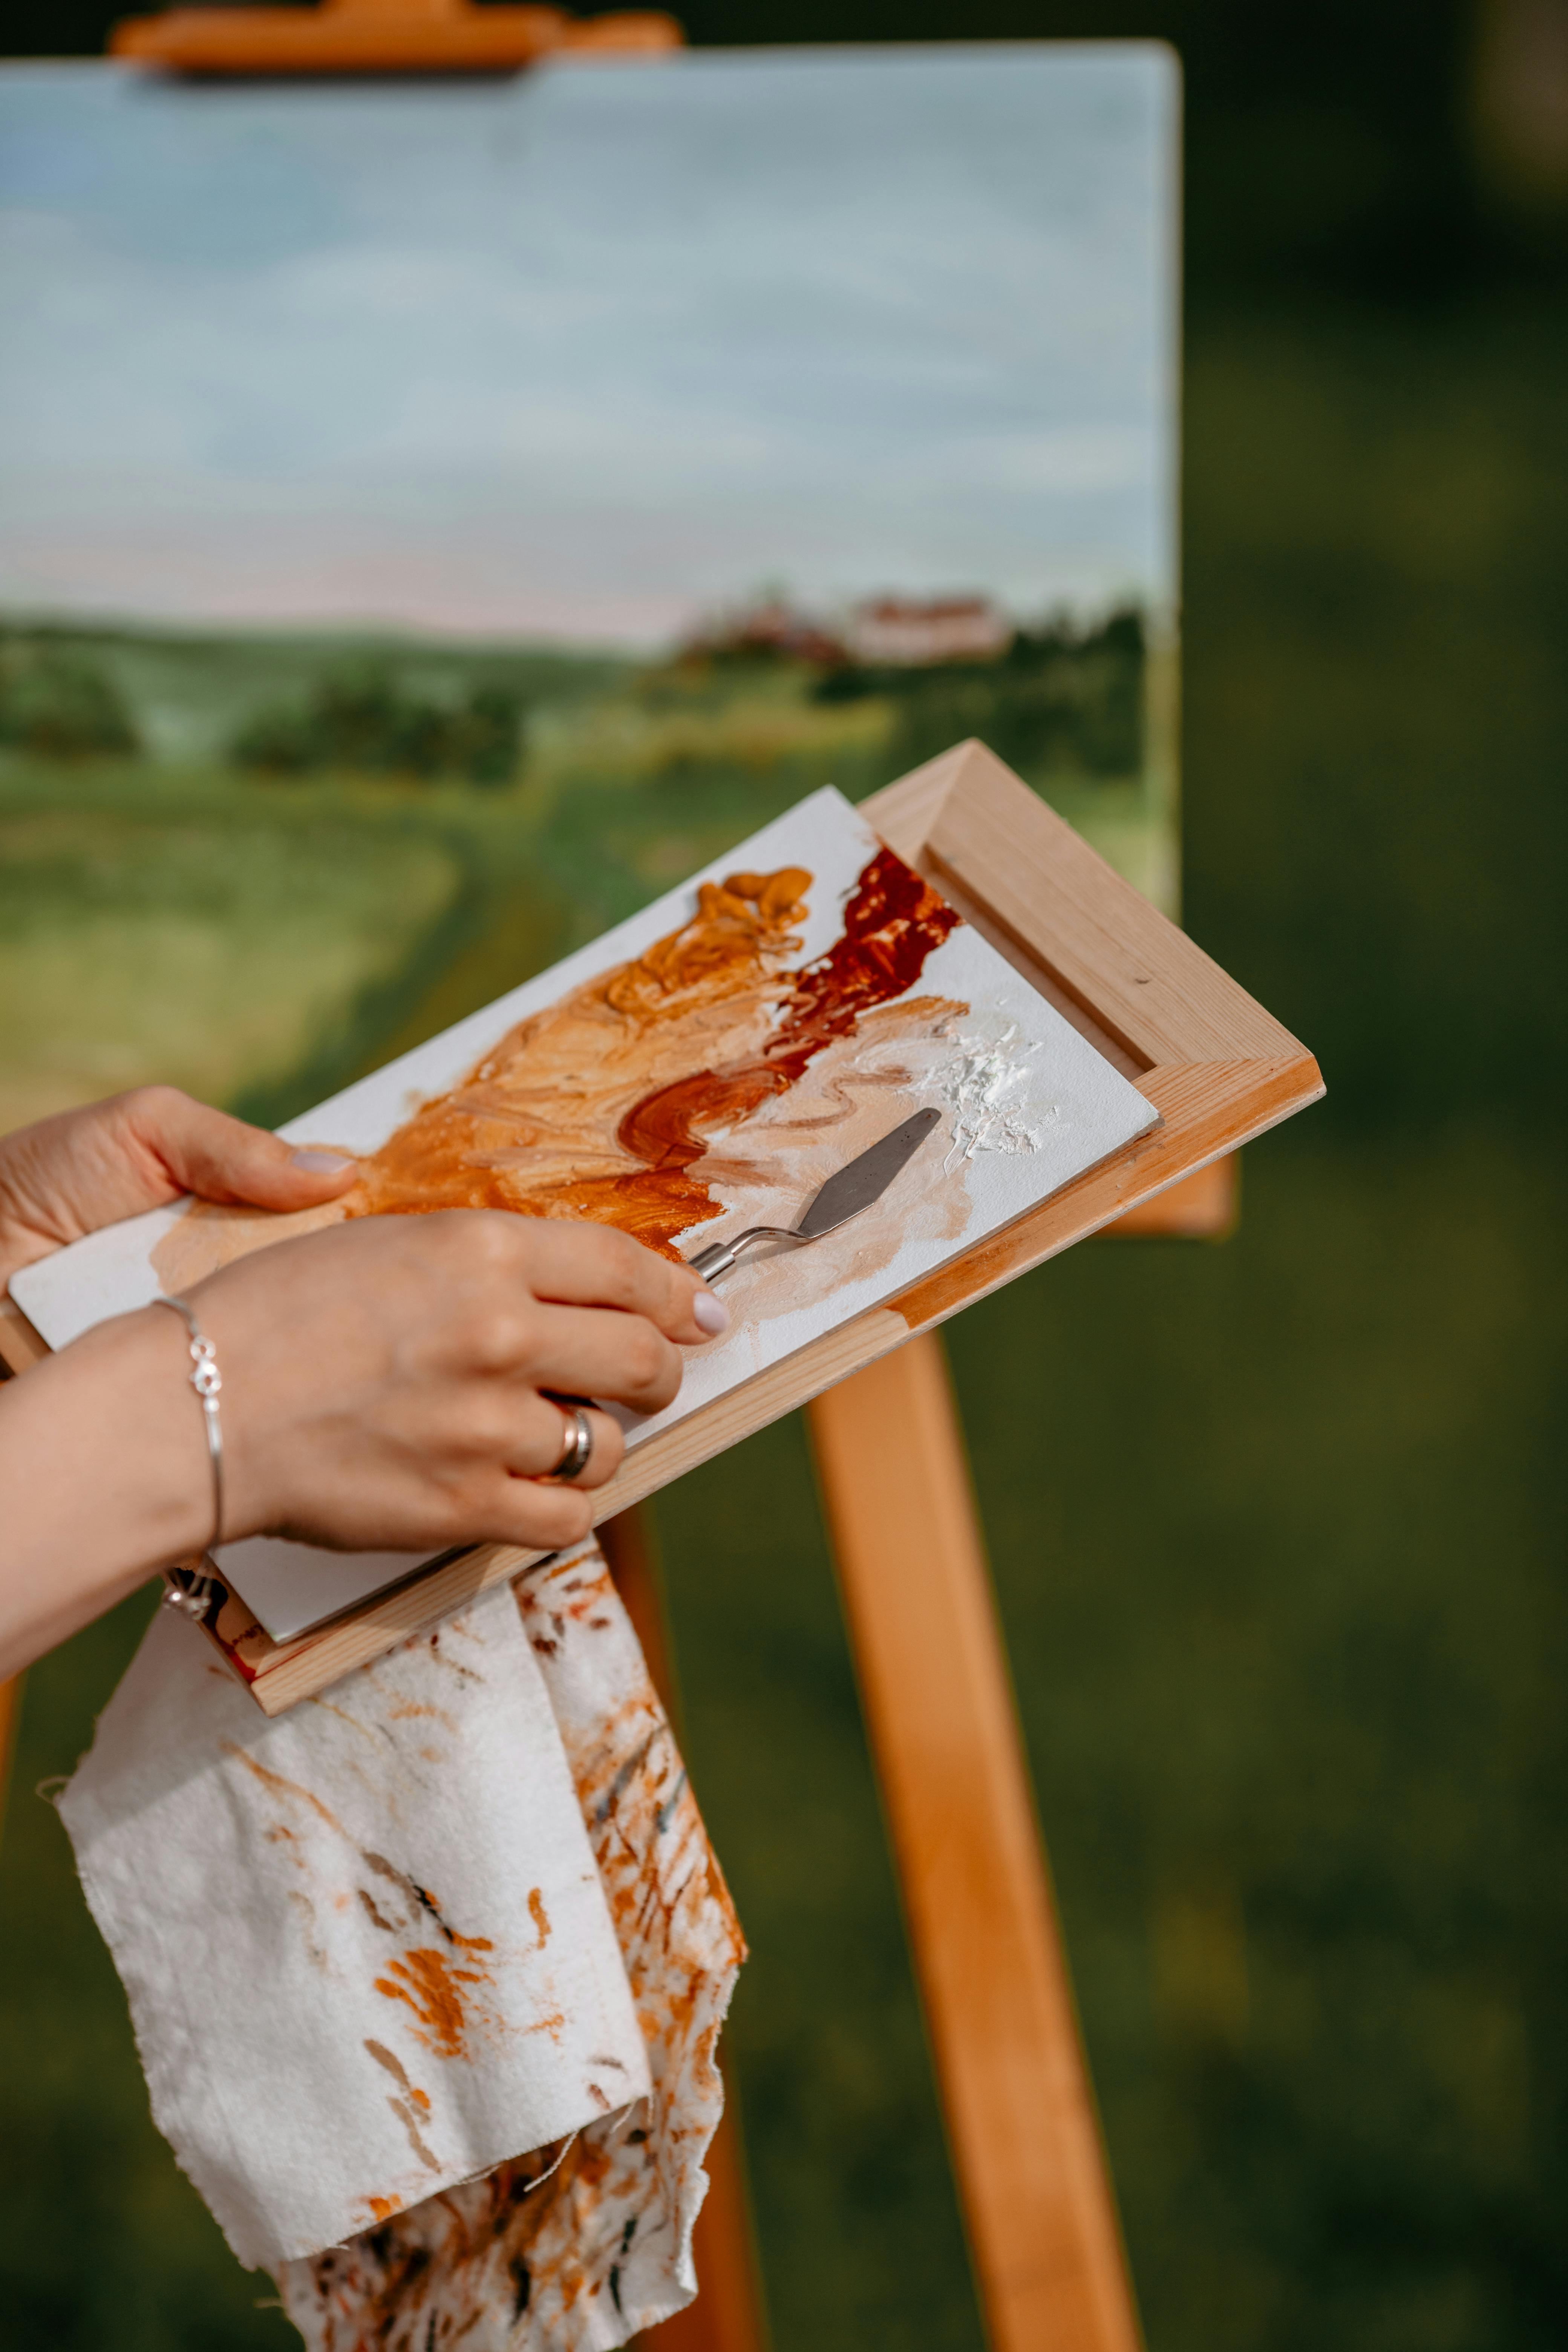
(206, 1152)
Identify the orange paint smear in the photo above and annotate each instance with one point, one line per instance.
(428, 1982)
(603, 1106)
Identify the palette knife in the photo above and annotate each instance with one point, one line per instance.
(844, 1195)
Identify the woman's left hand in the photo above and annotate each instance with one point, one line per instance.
(68, 1175)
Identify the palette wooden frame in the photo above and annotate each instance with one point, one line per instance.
(1217, 1069)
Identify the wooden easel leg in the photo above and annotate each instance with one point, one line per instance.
(728, 2314)
(938, 1707)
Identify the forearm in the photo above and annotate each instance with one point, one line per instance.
(103, 1479)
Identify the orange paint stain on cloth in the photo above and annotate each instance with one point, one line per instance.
(430, 1984)
(577, 2246)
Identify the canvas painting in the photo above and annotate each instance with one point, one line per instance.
(435, 518)
(703, 1069)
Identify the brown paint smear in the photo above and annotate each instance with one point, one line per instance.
(604, 1105)
(394, 2067)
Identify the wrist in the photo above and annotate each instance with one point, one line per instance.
(125, 1438)
(204, 1380)
(142, 1421)
(104, 1476)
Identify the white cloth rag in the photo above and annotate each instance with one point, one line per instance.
(576, 2250)
(456, 1913)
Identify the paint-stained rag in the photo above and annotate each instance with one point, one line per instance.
(426, 1975)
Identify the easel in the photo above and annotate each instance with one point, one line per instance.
(1015, 2089)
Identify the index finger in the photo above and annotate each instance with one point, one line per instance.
(574, 1264)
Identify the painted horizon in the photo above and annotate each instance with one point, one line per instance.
(588, 355)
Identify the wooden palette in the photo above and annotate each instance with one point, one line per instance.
(1217, 1069)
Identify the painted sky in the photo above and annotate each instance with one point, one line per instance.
(587, 353)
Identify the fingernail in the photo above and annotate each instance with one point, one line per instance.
(322, 1163)
(710, 1314)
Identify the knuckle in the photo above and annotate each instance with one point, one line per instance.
(576, 1516)
(452, 1508)
(489, 1430)
(621, 1262)
(644, 1354)
(489, 1241)
(497, 1340)
(152, 1106)
(553, 1515)
(654, 1367)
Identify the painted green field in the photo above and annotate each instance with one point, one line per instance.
(303, 857)
(140, 942)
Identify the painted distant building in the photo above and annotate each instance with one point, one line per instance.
(773, 627)
(909, 631)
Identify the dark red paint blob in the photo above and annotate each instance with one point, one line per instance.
(893, 921)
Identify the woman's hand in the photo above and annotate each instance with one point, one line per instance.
(384, 1387)
(384, 1381)
(84, 1169)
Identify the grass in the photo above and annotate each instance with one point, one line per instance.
(1296, 1775)
(1275, 1524)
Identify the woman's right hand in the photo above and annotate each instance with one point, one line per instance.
(383, 1389)
(383, 1380)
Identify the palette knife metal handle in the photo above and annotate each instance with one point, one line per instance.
(719, 1257)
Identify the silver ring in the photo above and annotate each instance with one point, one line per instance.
(579, 1446)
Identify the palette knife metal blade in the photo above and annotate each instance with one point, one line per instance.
(846, 1194)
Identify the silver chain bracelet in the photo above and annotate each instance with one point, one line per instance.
(190, 1587)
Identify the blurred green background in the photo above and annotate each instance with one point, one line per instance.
(1275, 1522)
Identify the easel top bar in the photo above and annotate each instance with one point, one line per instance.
(381, 37)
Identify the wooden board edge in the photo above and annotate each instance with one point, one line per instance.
(1237, 1113)
(280, 1674)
